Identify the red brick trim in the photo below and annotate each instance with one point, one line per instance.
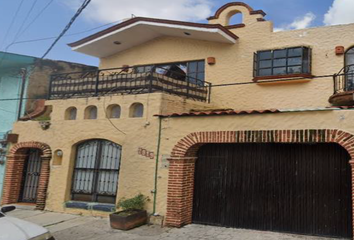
(183, 155)
(154, 20)
(23, 146)
(222, 8)
(297, 75)
(240, 25)
(14, 170)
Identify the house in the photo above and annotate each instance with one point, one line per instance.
(229, 125)
(23, 81)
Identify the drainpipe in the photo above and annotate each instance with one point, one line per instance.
(24, 75)
(157, 165)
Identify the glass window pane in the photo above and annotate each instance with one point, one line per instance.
(162, 69)
(292, 70)
(201, 66)
(265, 72)
(200, 76)
(349, 57)
(265, 64)
(280, 53)
(281, 62)
(182, 66)
(265, 55)
(294, 61)
(192, 67)
(279, 71)
(294, 52)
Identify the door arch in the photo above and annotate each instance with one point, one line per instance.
(96, 171)
(184, 155)
(14, 172)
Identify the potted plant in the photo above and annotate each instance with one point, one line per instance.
(132, 215)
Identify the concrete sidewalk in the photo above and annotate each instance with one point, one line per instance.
(76, 227)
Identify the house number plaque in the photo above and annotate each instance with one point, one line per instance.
(146, 153)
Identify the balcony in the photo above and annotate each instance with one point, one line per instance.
(128, 80)
(343, 87)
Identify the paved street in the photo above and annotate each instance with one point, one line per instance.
(75, 227)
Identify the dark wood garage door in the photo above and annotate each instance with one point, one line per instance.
(295, 188)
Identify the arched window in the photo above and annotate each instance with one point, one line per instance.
(349, 69)
(96, 171)
(91, 112)
(136, 110)
(70, 113)
(113, 111)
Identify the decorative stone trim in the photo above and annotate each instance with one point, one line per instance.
(14, 171)
(183, 155)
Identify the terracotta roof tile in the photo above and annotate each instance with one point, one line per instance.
(218, 112)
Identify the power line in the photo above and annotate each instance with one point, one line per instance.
(12, 22)
(25, 19)
(67, 35)
(83, 6)
(50, 38)
(37, 16)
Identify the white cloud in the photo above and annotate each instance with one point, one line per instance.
(299, 23)
(341, 12)
(114, 10)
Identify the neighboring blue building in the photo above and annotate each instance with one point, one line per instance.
(31, 74)
(11, 78)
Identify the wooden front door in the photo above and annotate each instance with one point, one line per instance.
(295, 188)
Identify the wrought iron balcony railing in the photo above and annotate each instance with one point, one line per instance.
(127, 80)
(344, 80)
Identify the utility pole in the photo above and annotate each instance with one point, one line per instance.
(23, 72)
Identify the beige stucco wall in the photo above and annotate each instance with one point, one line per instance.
(234, 63)
(136, 172)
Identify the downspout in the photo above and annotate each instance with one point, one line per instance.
(24, 76)
(157, 165)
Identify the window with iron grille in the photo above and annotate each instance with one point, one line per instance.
(286, 61)
(96, 171)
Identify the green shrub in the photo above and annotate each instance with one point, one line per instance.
(42, 118)
(136, 202)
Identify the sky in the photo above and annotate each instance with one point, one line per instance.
(27, 20)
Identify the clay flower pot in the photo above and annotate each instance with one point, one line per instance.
(128, 219)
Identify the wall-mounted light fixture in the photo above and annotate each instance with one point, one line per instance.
(211, 60)
(59, 153)
(339, 50)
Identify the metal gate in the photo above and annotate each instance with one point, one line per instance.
(296, 188)
(96, 171)
(31, 174)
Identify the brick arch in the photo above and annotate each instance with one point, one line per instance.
(14, 171)
(22, 146)
(184, 153)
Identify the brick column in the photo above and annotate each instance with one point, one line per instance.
(43, 183)
(13, 178)
(180, 191)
